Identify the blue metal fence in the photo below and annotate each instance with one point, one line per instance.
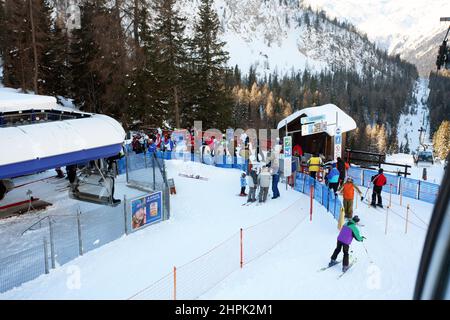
(411, 188)
(322, 194)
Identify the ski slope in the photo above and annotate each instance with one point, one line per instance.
(291, 270)
(205, 213)
(417, 116)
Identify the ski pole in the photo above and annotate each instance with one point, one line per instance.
(367, 252)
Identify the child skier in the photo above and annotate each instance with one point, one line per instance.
(243, 184)
(348, 192)
(345, 237)
(252, 184)
(333, 178)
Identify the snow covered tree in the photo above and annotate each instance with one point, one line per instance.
(2, 27)
(99, 59)
(171, 53)
(211, 101)
(26, 41)
(56, 70)
(441, 140)
(381, 137)
(145, 94)
(406, 146)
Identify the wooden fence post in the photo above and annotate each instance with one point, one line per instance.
(407, 217)
(242, 249)
(390, 194)
(387, 215)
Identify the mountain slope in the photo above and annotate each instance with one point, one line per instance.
(410, 28)
(274, 35)
(416, 116)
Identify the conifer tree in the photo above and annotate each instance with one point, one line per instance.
(144, 89)
(171, 53)
(441, 140)
(212, 100)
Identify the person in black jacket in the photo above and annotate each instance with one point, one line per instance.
(340, 165)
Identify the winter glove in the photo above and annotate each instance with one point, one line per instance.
(362, 198)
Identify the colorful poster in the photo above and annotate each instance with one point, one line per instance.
(146, 210)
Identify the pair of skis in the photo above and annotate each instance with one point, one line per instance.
(373, 207)
(338, 262)
(193, 176)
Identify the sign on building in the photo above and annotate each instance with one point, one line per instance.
(287, 150)
(146, 210)
(313, 119)
(314, 128)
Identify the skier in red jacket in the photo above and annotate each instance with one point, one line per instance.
(378, 181)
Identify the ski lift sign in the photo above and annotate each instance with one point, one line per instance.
(337, 143)
(313, 124)
(313, 128)
(287, 151)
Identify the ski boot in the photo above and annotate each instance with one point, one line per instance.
(332, 263)
(380, 205)
(373, 205)
(345, 268)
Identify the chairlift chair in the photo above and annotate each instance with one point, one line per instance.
(94, 184)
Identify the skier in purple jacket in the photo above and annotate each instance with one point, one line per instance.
(348, 232)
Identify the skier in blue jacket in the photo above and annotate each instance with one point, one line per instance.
(243, 184)
(333, 178)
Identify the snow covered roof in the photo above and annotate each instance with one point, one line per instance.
(11, 100)
(345, 122)
(49, 139)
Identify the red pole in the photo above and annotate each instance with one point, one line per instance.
(242, 249)
(174, 283)
(311, 202)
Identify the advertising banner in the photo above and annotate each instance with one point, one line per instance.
(146, 210)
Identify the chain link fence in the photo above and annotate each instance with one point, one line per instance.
(55, 240)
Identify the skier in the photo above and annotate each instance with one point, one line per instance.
(274, 166)
(72, 176)
(341, 168)
(297, 151)
(314, 165)
(252, 184)
(348, 192)
(243, 184)
(59, 173)
(345, 237)
(378, 181)
(333, 178)
(264, 183)
(5, 187)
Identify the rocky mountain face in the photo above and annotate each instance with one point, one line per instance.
(410, 28)
(284, 35)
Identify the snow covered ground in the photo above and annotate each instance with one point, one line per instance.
(417, 117)
(435, 172)
(205, 213)
(393, 25)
